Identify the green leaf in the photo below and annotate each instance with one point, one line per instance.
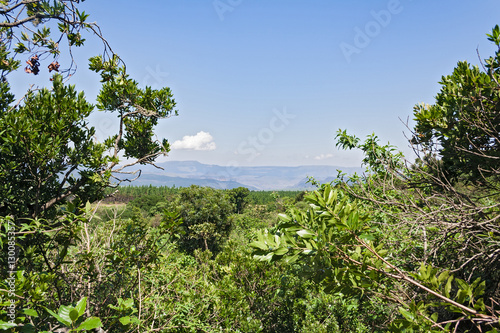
(88, 208)
(30, 312)
(284, 217)
(64, 311)
(305, 233)
(479, 305)
(368, 237)
(281, 251)
(479, 290)
(73, 315)
(259, 245)
(462, 284)
(408, 315)
(125, 320)
(81, 306)
(268, 257)
(90, 324)
(292, 259)
(60, 319)
(6, 325)
(447, 287)
(128, 303)
(461, 295)
(443, 276)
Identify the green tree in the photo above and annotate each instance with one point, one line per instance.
(51, 165)
(462, 128)
(205, 213)
(239, 198)
(48, 151)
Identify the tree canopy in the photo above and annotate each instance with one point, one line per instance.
(50, 153)
(463, 126)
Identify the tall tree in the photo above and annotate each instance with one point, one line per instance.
(49, 153)
(463, 127)
(51, 165)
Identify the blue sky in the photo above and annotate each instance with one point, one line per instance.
(270, 82)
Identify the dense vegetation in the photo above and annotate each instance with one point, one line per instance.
(404, 247)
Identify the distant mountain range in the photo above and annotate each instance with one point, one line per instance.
(186, 173)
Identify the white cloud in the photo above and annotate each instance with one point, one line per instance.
(201, 141)
(323, 157)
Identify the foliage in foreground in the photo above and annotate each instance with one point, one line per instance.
(134, 275)
(338, 247)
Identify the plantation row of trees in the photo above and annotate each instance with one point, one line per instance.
(159, 193)
(404, 247)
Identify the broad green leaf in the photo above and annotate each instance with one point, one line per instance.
(284, 217)
(128, 303)
(479, 291)
(30, 312)
(81, 306)
(260, 245)
(305, 233)
(60, 319)
(462, 284)
(90, 324)
(443, 276)
(64, 311)
(88, 208)
(281, 251)
(479, 305)
(125, 320)
(73, 315)
(277, 240)
(461, 294)
(6, 325)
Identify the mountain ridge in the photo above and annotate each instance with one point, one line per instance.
(186, 173)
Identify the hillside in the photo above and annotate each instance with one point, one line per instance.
(185, 173)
